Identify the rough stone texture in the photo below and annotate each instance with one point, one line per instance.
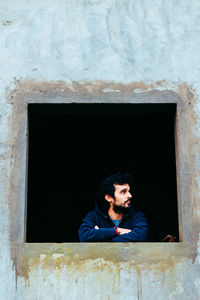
(98, 51)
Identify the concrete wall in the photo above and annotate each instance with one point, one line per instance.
(98, 51)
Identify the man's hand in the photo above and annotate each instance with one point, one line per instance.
(120, 230)
(123, 230)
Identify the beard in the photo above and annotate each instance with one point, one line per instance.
(120, 209)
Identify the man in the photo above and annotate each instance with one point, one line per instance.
(114, 219)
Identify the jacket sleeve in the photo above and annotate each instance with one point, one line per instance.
(138, 233)
(87, 232)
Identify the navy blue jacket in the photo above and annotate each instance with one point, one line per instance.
(135, 221)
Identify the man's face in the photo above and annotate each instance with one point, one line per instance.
(122, 196)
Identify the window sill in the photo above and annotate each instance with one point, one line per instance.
(148, 253)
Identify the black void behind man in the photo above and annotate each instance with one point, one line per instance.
(114, 219)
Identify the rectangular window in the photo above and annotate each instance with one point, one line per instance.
(72, 147)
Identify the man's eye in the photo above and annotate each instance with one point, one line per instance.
(123, 192)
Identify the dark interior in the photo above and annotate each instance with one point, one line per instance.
(72, 147)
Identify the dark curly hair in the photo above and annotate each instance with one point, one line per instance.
(107, 187)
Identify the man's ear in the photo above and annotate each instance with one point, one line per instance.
(108, 198)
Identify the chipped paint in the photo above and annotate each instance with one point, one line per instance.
(28, 87)
(6, 23)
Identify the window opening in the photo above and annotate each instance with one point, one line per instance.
(72, 147)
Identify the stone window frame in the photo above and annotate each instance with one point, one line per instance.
(135, 93)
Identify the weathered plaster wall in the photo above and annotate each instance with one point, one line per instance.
(98, 51)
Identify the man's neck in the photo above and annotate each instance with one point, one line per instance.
(113, 215)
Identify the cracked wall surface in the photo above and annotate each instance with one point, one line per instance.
(92, 51)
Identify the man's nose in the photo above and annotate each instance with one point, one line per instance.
(129, 195)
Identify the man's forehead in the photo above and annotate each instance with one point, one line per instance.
(121, 186)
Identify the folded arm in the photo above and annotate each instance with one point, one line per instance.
(137, 234)
(88, 232)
